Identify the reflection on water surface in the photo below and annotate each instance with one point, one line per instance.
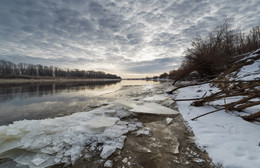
(44, 100)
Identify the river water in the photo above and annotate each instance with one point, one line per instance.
(48, 100)
(46, 124)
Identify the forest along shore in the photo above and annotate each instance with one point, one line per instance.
(47, 80)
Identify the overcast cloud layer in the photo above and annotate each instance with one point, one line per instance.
(129, 38)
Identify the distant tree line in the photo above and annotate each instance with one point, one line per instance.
(11, 70)
(213, 54)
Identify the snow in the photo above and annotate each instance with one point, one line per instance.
(42, 143)
(250, 72)
(229, 140)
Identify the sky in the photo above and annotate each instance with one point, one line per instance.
(130, 38)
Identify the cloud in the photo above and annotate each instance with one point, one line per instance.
(153, 66)
(125, 36)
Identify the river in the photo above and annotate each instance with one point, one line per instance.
(48, 100)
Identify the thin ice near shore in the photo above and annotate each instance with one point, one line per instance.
(42, 143)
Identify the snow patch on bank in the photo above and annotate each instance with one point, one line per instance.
(229, 140)
(247, 72)
(250, 72)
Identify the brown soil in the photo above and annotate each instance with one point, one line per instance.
(167, 145)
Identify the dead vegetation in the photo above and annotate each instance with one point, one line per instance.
(231, 86)
(219, 59)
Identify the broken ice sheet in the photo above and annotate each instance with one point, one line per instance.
(153, 108)
(42, 143)
(145, 107)
(160, 97)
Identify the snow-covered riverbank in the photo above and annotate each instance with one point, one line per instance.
(229, 140)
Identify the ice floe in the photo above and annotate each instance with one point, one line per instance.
(153, 108)
(42, 143)
(147, 107)
(159, 97)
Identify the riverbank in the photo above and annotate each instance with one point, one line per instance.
(229, 140)
(49, 80)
